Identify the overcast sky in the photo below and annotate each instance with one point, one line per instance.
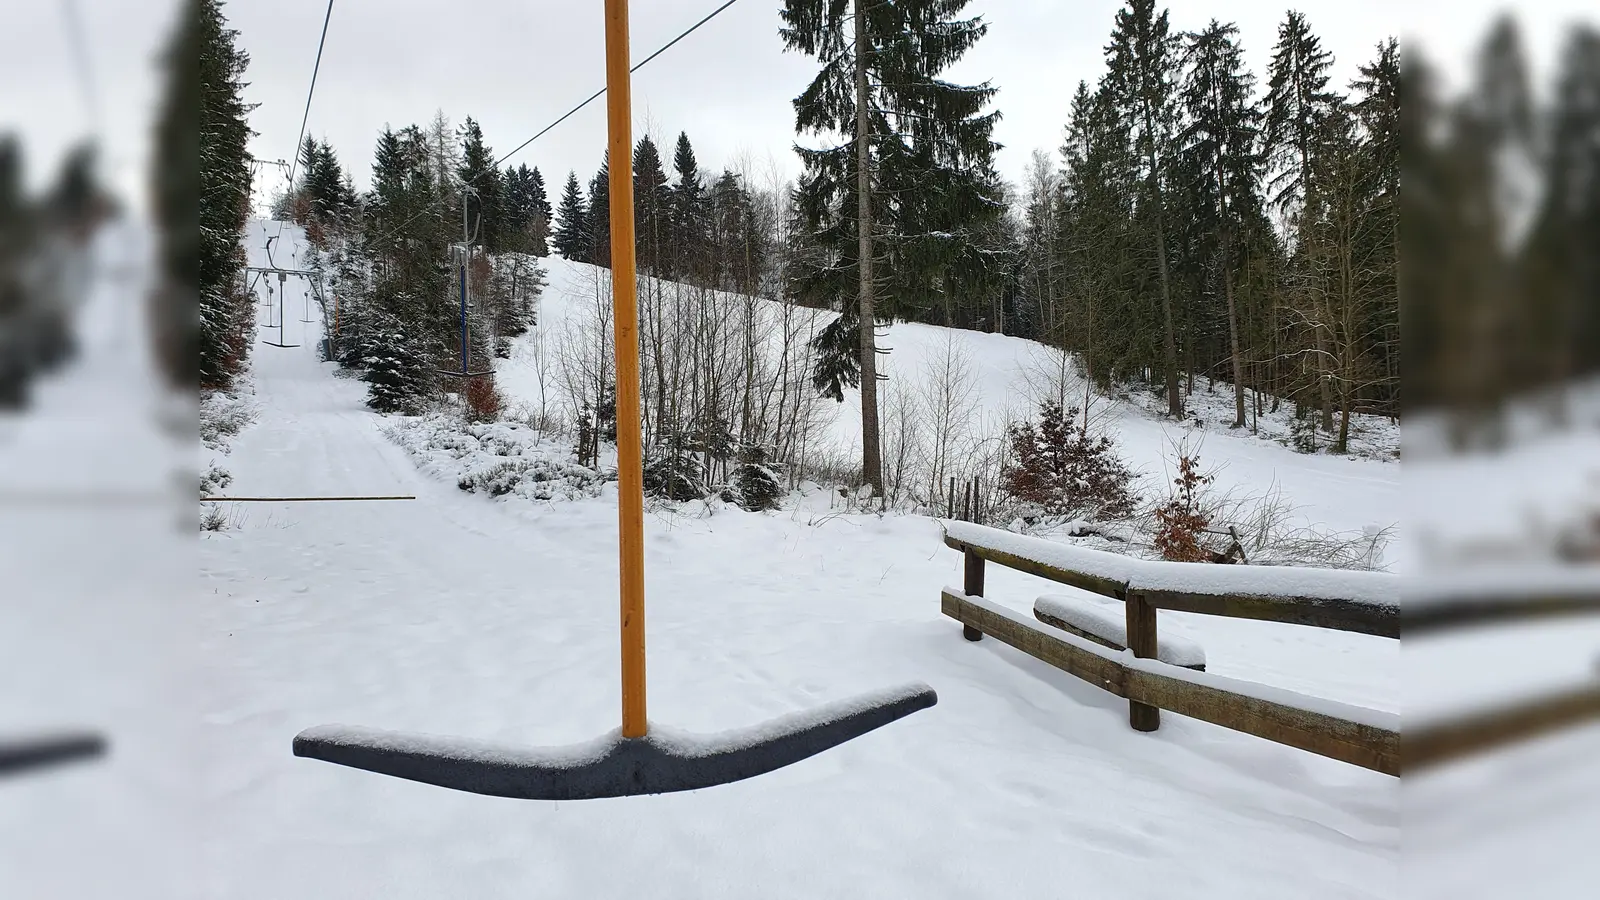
(515, 65)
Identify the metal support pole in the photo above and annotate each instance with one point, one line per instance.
(464, 251)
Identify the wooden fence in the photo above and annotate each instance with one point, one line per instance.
(1361, 602)
(1363, 737)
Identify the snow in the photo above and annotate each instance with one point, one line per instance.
(1372, 588)
(453, 615)
(1107, 619)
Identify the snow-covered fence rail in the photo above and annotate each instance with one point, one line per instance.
(1362, 602)
(1507, 595)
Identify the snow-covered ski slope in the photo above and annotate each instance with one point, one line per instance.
(454, 615)
(1333, 493)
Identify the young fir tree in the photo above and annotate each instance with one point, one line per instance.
(480, 180)
(912, 157)
(570, 237)
(756, 486)
(598, 215)
(1141, 82)
(397, 374)
(1218, 154)
(650, 207)
(206, 47)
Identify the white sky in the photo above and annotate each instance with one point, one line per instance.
(515, 65)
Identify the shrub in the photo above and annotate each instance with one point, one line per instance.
(483, 401)
(674, 475)
(214, 479)
(755, 485)
(1180, 520)
(1062, 470)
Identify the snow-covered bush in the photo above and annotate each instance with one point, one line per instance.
(500, 459)
(214, 479)
(222, 415)
(674, 475)
(756, 486)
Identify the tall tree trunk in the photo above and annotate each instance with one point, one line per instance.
(871, 454)
(1233, 336)
(1174, 399)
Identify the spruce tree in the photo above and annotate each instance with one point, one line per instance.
(481, 184)
(1376, 105)
(1141, 81)
(599, 215)
(396, 373)
(1297, 104)
(911, 151)
(1219, 155)
(650, 207)
(689, 211)
(539, 209)
(207, 47)
(570, 237)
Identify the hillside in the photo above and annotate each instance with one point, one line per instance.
(1008, 375)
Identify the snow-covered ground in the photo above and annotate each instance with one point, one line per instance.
(497, 621)
(1333, 493)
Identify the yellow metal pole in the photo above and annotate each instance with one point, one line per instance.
(625, 300)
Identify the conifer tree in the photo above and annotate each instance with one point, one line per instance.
(1219, 156)
(396, 373)
(207, 47)
(911, 151)
(481, 184)
(539, 206)
(570, 237)
(1141, 81)
(689, 211)
(598, 215)
(1297, 104)
(650, 206)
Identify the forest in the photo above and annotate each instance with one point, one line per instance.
(1199, 222)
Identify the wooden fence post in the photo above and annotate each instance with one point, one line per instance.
(972, 585)
(1142, 641)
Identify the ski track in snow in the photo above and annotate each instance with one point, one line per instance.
(497, 622)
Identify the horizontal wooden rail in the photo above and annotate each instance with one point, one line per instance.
(1435, 743)
(296, 499)
(1362, 737)
(1113, 575)
(1371, 607)
(1437, 615)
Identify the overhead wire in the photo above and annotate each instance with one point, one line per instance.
(306, 116)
